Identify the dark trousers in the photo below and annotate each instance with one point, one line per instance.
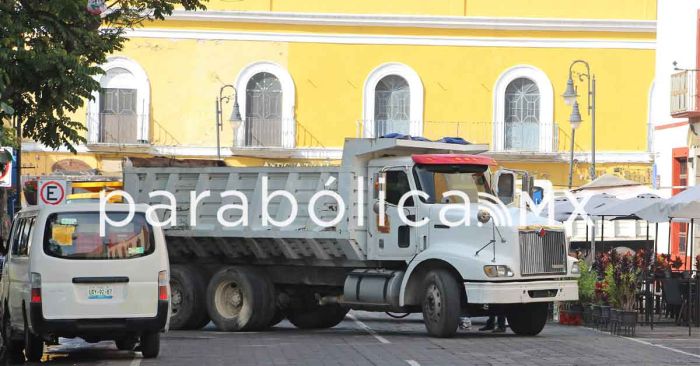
(501, 321)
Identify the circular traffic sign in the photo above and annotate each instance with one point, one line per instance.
(52, 192)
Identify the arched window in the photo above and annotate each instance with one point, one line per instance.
(523, 111)
(263, 125)
(119, 111)
(266, 98)
(392, 106)
(522, 115)
(393, 101)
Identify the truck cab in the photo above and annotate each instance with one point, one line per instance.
(449, 212)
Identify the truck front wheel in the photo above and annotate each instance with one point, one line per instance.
(441, 304)
(528, 319)
(240, 299)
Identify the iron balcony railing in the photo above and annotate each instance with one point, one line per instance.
(684, 94)
(542, 252)
(114, 128)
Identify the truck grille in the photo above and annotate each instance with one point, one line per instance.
(542, 253)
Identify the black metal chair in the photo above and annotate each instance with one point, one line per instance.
(672, 297)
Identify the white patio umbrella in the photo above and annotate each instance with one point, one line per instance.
(686, 205)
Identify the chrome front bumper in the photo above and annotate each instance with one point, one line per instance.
(521, 292)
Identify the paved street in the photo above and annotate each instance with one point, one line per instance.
(375, 339)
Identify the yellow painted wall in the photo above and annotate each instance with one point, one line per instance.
(185, 77)
(595, 9)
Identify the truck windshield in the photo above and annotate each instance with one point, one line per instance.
(437, 179)
(76, 235)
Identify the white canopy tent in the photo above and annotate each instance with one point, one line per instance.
(686, 205)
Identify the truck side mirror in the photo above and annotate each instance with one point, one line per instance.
(505, 186)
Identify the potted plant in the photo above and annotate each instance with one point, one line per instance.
(677, 263)
(30, 191)
(610, 289)
(627, 280)
(663, 266)
(587, 290)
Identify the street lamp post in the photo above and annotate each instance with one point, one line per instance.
(575, 121)
(570, 99)
(234, 119)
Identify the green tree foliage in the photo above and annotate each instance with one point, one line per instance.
(49, 52)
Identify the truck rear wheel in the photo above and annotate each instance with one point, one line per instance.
(240, 299)
(441, 304)
(528, 319)
(317, 317)
(188, 299)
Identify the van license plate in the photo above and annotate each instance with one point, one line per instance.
(100, 292)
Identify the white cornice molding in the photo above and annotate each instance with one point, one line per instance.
(335, 153)
(577, 43)
(620, 157)
(420, 21)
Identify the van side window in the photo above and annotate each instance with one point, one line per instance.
(16, 234)
(26, 236)
(396, 186)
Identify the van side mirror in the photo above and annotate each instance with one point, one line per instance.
(505, 186)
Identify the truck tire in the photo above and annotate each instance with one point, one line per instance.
(317, 317)
(441, 303)
(528, 319)
(240, 299)
(188, 288)
(150, 344)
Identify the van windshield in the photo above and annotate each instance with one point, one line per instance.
(76, 235)
(438, 179)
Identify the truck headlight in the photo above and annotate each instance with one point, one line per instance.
(575, 268)
(498, 271)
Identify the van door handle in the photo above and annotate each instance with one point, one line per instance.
(114, 279)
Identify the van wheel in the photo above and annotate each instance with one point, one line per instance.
(33, 345)
(126, 344)
(188, 298)
(14, 350)
(441, 304)
(150, 344)
(528, 319)
(240, 299)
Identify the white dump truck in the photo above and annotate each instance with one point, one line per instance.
(245, 256)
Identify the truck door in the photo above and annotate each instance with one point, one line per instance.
(394, 239)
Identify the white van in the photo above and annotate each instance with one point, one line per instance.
(62, 279)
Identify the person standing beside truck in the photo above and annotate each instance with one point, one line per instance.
(500, 327)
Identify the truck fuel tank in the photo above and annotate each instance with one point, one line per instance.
(373, 289)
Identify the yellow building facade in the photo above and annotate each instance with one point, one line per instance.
(310, 73)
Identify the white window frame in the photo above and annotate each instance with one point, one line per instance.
(288, 100)
(546, 117)
(143, 98)
(415, 86)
